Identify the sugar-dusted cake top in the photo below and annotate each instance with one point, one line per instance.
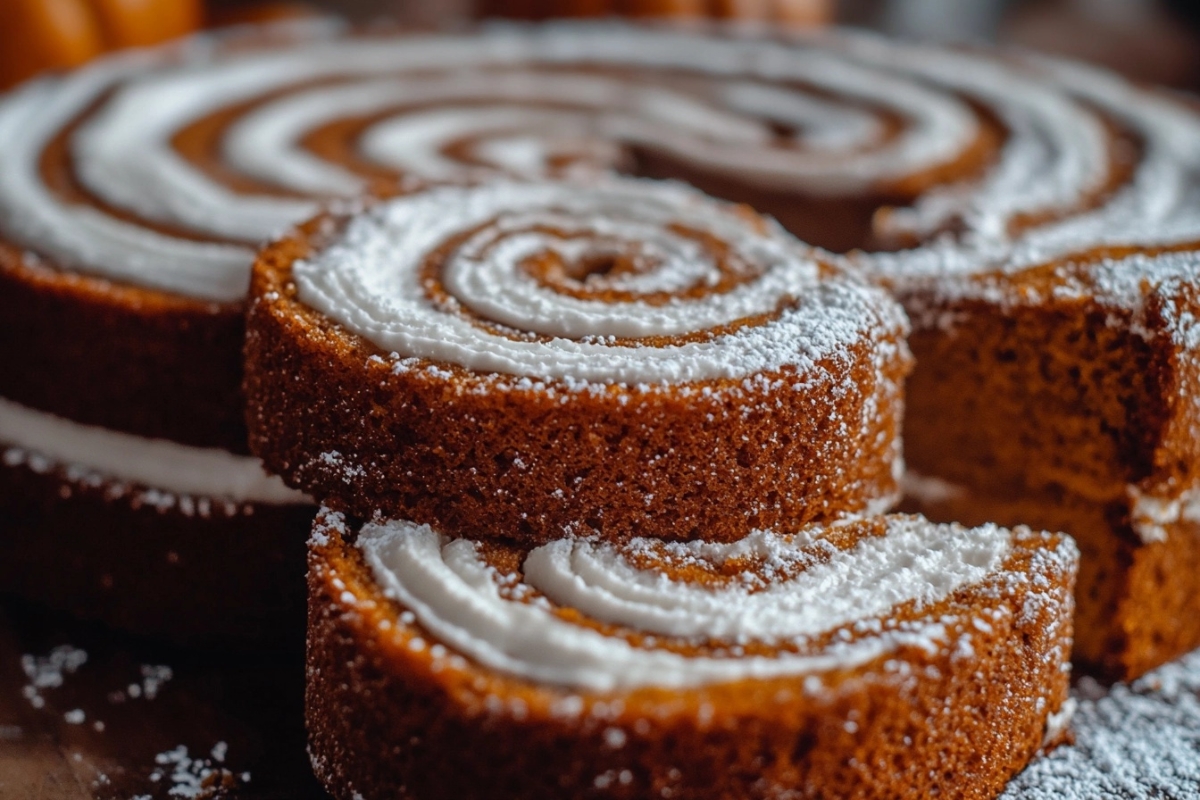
(610, 280)
(165, 168)
(599, 616)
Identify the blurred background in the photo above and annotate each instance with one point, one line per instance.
(1156, 41)
(1152, 40)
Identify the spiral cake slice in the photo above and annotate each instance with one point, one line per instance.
(616, 356)
(884, 658)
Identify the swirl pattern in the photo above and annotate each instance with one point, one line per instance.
(584, 283)
(582, 613)
(163, 169)
(777, 664)
(569, 355)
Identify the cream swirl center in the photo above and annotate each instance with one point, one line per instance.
(786, 591)
(781, 311)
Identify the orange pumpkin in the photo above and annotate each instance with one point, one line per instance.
(37, 35)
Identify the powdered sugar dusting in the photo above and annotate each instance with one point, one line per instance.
(49, 671)
(800, 588)
(1146, 293)
(1055, 123)
(1131, 741)
(1157, 207)
(370, 280)
(195, 776)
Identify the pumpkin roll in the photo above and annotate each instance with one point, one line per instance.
(885, 658)
(1082, 419)
(135, 192)
(951, 175)
(1089, 366)
(616, 356)
(1059, 289)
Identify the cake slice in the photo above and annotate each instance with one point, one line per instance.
(886, 658)
(616, 356)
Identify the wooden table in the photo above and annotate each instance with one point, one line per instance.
(119, 728)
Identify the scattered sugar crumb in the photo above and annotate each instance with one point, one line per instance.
(153, 678)
(194, 777)
(49, 671)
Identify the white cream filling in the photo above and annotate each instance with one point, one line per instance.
(1151, 516)
(84, 237)
(810, 588)
(929, 489)
(1055, 154)
(1056, 150)
(1161, 204)
(370, 281)
(150, 463)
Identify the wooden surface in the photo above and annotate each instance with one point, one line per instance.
(220, 727)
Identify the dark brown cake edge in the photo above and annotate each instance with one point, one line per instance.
(196, 571)
(130, 359)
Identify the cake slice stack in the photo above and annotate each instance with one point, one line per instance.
(603, 464)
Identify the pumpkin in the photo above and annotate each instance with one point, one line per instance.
(37, 35)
